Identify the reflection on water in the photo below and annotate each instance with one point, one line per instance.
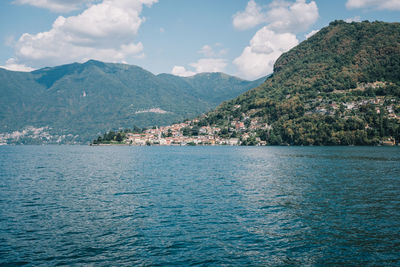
(199, 205)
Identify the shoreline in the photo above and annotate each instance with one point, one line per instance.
(284, 145)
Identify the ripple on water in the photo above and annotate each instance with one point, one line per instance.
(77, 205)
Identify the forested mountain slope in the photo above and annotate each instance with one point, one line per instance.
(341, 86)
(74, 102)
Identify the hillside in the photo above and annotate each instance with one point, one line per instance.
(339, 87)
(73, 103)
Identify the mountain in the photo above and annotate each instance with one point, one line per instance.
(74, 102)
(214, 87)
(339, 87)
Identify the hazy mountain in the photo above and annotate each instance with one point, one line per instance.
(93, 97)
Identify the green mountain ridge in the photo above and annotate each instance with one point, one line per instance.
(74, 102)
(339, 87)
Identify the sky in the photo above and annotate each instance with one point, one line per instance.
(182, 37)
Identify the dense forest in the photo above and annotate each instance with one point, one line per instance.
(72, 103)
(339, 87)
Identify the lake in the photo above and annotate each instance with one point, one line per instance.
(257, 206)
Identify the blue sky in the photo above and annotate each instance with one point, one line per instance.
(183, 37)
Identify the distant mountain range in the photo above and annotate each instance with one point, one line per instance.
(73, 103)
(339, 87)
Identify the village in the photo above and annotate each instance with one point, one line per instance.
(243, 130)
(187, 133)
(250, 129)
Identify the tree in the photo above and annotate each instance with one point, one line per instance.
(119, 137)
(136, 129)
(186, 131)
(195, 130)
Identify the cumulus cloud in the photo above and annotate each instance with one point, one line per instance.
(353, 19)
(308, 35)
(209, 65)
(12, 65)
(292, 17)
(104, 31)
(181, 71)
(55, 5)
(212, 61)
(281, 16)
(376, 4)
(212, 52)
(252, 16)
(265, 47)
(207, 51)
(282, 20)
(202, 65)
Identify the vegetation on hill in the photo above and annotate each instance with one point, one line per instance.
(78, 101)
(339, 87)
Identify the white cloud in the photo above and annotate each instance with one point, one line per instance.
(353, 19)
(308, 35)
(292, 17)
(202, 65)
(104, 31)
(55, 5)
(212, 61)
(282, 19)
(209, 65)
(12, 65)
(210, 52)
(376, 4)
(265, 47)
(181, 71)
(207, 51)
(249, 18)
(282, 16)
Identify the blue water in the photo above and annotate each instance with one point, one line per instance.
(78, 205)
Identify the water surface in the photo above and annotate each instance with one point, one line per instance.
(258, 206)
